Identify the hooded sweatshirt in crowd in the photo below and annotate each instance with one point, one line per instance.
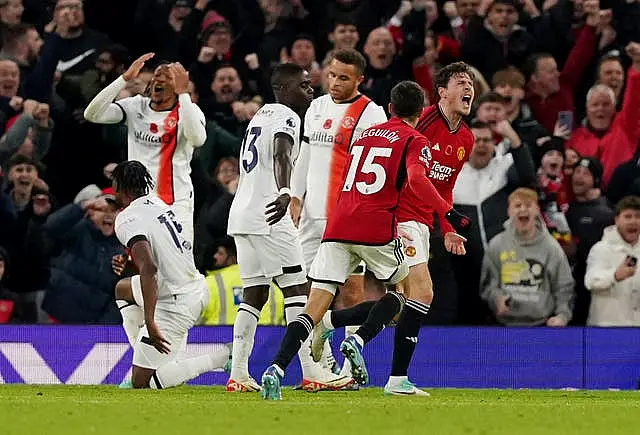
(534, 274)
(613, 303)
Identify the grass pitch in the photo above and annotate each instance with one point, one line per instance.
(52, 410)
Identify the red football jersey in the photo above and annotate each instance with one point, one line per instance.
(449, 151)
(374, 176)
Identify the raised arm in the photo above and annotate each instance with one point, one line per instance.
(193, 120)
(102, 109)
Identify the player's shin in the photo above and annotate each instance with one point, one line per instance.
(299, 329)
(381, 314)
(178, 372)
(244, 330)
(294, 307)
(406, 337)
(132, 319)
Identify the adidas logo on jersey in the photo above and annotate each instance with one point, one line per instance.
(436, 147)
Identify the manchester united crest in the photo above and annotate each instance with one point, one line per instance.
(410, 251)
(461, 153)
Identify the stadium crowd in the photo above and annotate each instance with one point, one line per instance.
(556, 118)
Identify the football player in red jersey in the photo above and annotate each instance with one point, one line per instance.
(450, 146)
(387, 159)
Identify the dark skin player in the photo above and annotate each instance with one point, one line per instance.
(296, 93)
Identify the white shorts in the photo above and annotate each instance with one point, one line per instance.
(174, 316)
(184, 209)
(335, 262)
(311, 232)
(416, 251)
(271, 257)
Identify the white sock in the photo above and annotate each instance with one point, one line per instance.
(132, 319)
(327, 356)
(359, 339)
(326, 320)
(346, 366)
(294, 306)
(244, 330)
(396, 380)
(178, 372)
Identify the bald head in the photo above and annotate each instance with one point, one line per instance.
(380, 48)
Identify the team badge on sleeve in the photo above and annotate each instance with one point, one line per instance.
(425, 156)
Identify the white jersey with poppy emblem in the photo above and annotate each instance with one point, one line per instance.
(257, 185)
(312, 175)
(158, 141)
(149, 218)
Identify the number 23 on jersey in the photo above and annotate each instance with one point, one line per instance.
(250, 152)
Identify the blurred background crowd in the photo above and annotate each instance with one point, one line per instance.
(556, 110)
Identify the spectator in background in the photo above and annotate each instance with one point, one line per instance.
(549, 91)
(7, 298)
(495, 42)
(81, 288)
(7, 217)
(302, 52)
(345, 33)
(79, 50)
(609, 136)
(158, 26)
(610, 72)
(481, 192)
(29, 134)
(625, 180)
(219, 144)
(11, 12)
(510, 83)
(10, 101)
(27, 248)
(588, 215)
(612, 270)
(232, 105)
(526, 278)
(554, 189)
(112, 61)
(225, 291)
(382, 73)
(22, 43)
(212, 219)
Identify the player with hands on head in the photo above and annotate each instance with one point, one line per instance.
(164, 126)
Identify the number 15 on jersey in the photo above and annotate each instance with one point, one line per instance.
(368, 167)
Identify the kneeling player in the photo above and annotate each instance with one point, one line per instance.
(363, 228)
(169, 290)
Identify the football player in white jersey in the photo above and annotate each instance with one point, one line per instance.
(164, 127)
(332, 123)
(169, 294)
(267, 241)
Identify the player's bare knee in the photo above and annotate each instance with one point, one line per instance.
(123, 290)
(256, 296)
(140, 377)
(296, 290)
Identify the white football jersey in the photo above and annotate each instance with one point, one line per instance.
(150, 218)
(257, 186)
(311, 175)
(157, 140)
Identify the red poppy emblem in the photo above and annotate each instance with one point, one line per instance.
(153, 128)
(327, 124)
